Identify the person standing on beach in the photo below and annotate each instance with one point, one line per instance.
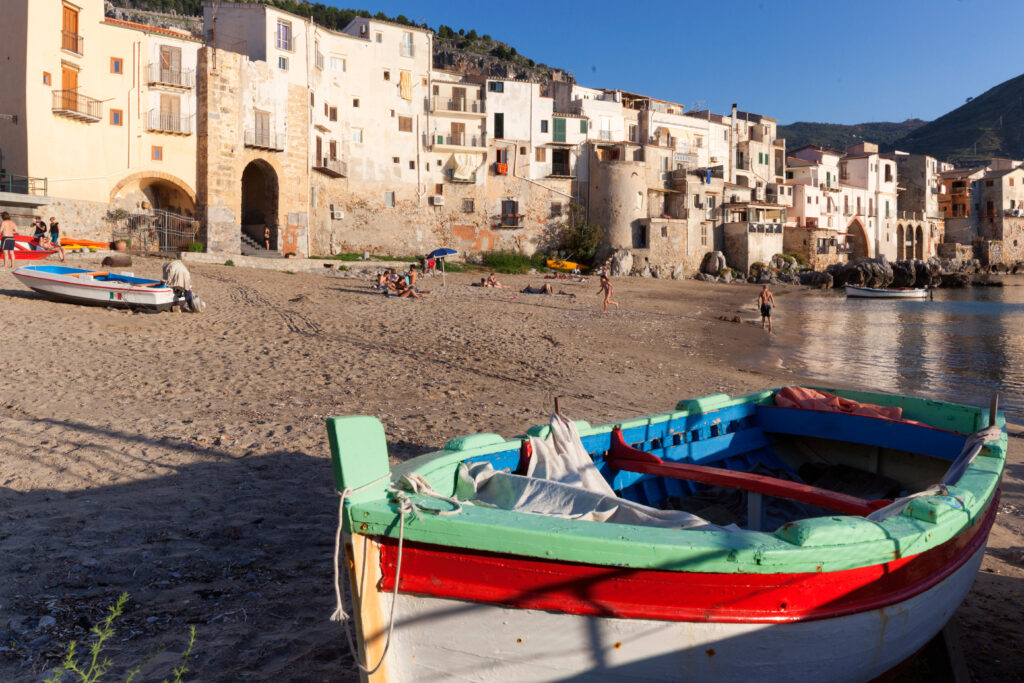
(266, 237)
(7, 232)
(55, 237)
(766, 301)
(608, 289)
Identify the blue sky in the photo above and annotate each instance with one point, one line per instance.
(837, 61)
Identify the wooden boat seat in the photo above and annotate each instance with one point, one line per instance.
(622, 456)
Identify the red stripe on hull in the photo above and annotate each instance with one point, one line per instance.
(531, 583)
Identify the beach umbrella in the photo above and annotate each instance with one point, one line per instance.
(440, 254)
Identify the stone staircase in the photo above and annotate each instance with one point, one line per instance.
(251, 247)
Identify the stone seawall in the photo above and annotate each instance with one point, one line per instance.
(295, 265)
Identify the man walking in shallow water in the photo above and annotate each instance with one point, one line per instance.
(765, 302)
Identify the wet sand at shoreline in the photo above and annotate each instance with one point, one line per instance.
(184, 459)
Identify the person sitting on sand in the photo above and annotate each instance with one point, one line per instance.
(382, 281)
(492, 281)
(544, 289)
(412, 275)
(606, 287)
(46, 245)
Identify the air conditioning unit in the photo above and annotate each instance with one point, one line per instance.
(337, 215)
(437, 200)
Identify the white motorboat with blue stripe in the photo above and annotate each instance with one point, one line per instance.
(99, 288)
(898, 293)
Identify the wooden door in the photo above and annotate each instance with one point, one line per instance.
(319, 151)
(458, 133)
(69, 29)
(170, 64)
(170, 112)
(459, 99)
(69, 88)
(262, 133)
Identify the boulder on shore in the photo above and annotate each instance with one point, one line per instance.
(814, 278)
(621, 263)
(117, 260)
(862, 272)
(713, 263)
(956, 279)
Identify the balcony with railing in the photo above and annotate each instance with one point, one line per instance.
(461, 140)
(74, 105)
(177, 78)
(264, 139)
(457, 105)
(22, 184)
(561, 169)
(335, 168)
(510, 220)
(72, 42)
(168, 122)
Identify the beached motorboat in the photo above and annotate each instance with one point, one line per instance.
(486, 574)
(102, 288)
(895, 293)
(27, 249)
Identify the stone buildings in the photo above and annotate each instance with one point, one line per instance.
(101, 112)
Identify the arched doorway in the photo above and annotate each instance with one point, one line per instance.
(901, 243)
(857, 238)
(160, 191)
(919, 244)
(259, 202)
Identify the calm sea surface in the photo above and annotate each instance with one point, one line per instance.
(961, 346)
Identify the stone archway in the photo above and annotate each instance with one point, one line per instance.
(154, 190)
(919, 244)
(857, 238)
(260, 202)
(901, 243)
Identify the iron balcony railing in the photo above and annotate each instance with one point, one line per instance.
(332, 167)
(22, 184)
(165, 122)
(182, 78)
(511, 220)
(460, 140)
(262, 139)
(72, 42)
(458, 104)
(77, 106)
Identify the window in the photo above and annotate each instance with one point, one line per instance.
(282, 63)
(583, 126)
(284, 35)
(378, 37)
(412, 165)
(495, 86)
(392, 113)
(319, 56)
(406, 44)
(438, 188)
(510, 213)
(424, 81)
(698, 142)
(988, 183)
(544, 126)
(312, 196)
(467, 206)
(789, 175)
(405, 124)
(703, 234)
(116, 117)
(634, 134)
(327, 109)
(1011, 182)
(156, 153)
(47, 79)
(888, 173)
(887, 205)
(312, 99)
(355, 101)
(389, 197)
(555, 210)
(357, 135)
(116, 65)
(541, 154)
(337, 64)
(387, 75)
(499, 125)
(394, 160)
(70, 40)
(334, 149)
(501, 156)
(333, 116)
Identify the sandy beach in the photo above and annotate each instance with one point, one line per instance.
(183, 458)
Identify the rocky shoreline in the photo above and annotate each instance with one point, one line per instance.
(876, 272)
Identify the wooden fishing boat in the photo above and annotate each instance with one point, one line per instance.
(99, 288)
(27, 249)
(812, 583)
(897, 293)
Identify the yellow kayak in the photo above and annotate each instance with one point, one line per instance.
(562, 265)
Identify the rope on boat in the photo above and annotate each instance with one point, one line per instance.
(411, 483)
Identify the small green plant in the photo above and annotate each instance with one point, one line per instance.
(195, 246)
(452, 267)
(229, 262)
(342, 267)
(288, 272)
(580, 238)
(756, 268)
(117, 215)
(800, 259)
(513, 262)
(97, 665)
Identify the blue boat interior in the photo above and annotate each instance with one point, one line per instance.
(100, 276)
(865, 457)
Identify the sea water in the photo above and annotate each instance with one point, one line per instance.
(962, 345)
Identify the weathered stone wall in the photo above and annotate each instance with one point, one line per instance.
(79, 218)
(954, 250)
(743, 248)
(804, 241)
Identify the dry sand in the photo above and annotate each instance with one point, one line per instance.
(183, 458)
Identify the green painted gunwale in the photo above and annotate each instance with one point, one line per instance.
(817, 544)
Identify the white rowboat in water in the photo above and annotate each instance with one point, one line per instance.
(901, 293)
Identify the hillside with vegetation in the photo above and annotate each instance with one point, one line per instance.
(839, 136)
(454, 49)
(986, 126)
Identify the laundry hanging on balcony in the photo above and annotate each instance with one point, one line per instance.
(465, 166)
(405, 85)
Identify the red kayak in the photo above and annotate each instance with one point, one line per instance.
(27, 249)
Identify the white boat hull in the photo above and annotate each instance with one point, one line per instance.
(438, 639)
(869, 293)
(95, 292)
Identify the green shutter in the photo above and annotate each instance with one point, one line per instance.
(559, 132)
(583, 126)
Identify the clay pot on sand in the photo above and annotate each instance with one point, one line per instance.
(120, 245)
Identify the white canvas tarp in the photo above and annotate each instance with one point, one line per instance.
(562, 481)
(465, 166)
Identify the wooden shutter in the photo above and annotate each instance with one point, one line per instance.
(458, 99)
(69, 86)
(319, 150)
(458, 133)
(558, 135)
(334, 149)
(499, 125)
